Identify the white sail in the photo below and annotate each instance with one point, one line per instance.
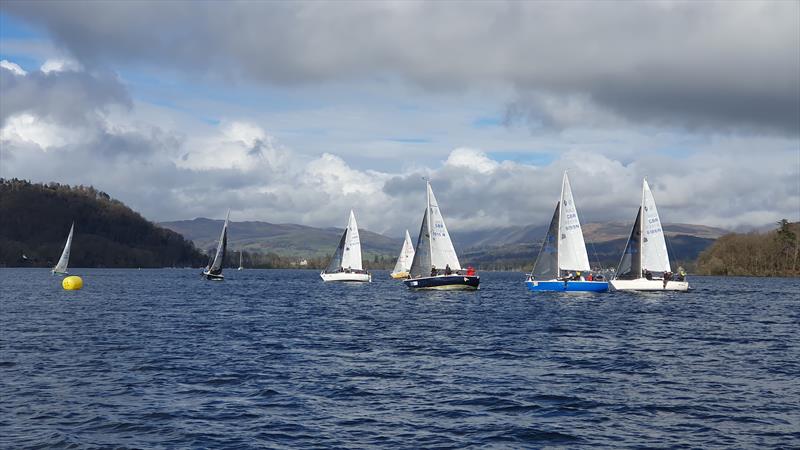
(219, 256)
(654, 247)
(351, 254)
(406, 256)
(571, 247)
(63, 262)
(240, 261)
(442, 252)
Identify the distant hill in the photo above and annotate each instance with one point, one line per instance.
(501, 248)
(35, 221)
(282, 239)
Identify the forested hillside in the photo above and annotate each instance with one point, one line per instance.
(35, 221)
(774, 253)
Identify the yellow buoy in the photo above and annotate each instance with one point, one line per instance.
(72, 283)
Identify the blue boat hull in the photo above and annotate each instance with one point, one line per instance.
(569, 286)
(444, 282)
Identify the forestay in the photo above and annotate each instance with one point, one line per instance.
(654, 247)
(63, 262)
(630, 266)
(571, 246)
(421, 263)
(546, 266)
(442, 252)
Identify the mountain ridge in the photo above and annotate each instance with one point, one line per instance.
(504, 246)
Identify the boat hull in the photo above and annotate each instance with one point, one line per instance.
(212, 277)
(399, 275)
(444, 283)
(643, 284)
(345, 276)
(567, 286)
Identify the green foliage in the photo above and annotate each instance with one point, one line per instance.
(768, 254)
(36, 217)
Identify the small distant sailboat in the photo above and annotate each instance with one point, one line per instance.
(63, 262)
(214, 269)
(405, 259)
(435, 264)
(346, 265)
(562, 264)
(241, 267)
(644, 265)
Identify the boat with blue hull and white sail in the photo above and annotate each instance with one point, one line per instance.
(563, 264)
(405, 259)
(61, 267)
(346, 264)
(435, 265)
(644, 265)
(214, 269)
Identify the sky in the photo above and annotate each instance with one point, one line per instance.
(297, 112)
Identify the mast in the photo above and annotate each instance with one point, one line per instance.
(560, 210)
(642, 230)
(428, 207)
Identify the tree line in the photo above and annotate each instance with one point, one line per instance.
(36, 218)
(775, 253)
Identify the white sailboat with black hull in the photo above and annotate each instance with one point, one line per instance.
(63, 262)
(346, 264)
(405, 259)
(563, 264)
(214, 269)
(435, 264)
(644, 265)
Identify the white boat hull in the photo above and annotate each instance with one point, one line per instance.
(643, 284)
(345, 276)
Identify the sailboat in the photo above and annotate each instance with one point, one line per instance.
(435, 264)
(241, 267)
(346, 265)
(214, 269)
(562, 264)
(644, 265)
(403, 264)
(63, 262)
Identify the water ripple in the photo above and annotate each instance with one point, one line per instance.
(277, 359)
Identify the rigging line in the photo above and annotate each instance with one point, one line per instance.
(671, 250)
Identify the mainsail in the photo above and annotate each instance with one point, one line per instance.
(442, 252)
(63, 262)
(571, 246)
(546, 266)
(654, 247)
(406, 256)
(219, 257)
(348, 252)
(630, 266)
(351, 255)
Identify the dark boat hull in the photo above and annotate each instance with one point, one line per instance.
(444, 282)
(212, 277)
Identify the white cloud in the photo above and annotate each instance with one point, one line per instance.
(27, 128)
(60, 65)
(471, 159)
(13, 67)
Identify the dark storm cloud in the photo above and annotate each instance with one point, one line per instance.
(65, 97)
(719, 65)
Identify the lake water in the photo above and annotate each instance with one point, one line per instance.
(276, 358)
